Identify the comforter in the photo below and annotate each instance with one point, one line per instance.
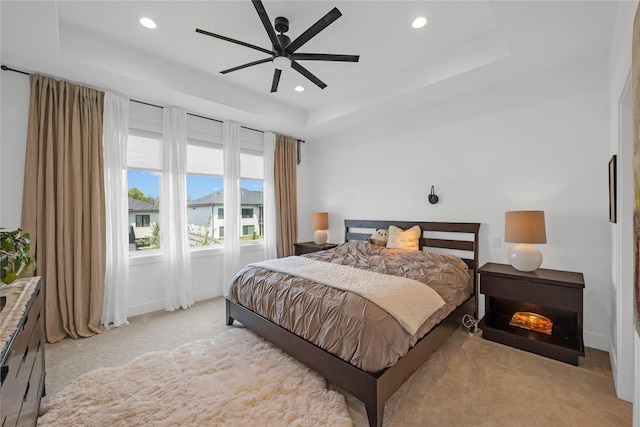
(344, 323)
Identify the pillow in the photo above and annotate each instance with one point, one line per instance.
(400, 239)
(379, 237)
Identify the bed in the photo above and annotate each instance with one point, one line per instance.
(371, 385)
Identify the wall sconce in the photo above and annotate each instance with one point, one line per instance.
(524, 227)
(433, 199)
(319, 223)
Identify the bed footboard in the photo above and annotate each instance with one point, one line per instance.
(373, 389)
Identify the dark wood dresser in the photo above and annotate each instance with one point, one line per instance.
(22, 362)
(554, 294)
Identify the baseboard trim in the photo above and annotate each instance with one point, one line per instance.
(147, 307)
(601, 342)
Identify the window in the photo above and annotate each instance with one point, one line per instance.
(205, 183)
(143, 220)
(143, 177)
(248, 230)
(204, 180)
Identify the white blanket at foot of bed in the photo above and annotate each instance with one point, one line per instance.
(408, 301)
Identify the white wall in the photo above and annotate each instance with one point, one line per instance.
(538, 143)
(145, 277)
(14, 115)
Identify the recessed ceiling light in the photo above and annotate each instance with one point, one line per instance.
(299, 88)
(419, 22)
(147, 22)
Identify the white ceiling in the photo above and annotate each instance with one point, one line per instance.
(464, 46)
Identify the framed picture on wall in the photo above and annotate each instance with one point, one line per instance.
(612, 189)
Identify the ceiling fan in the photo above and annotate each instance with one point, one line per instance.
(284, 51)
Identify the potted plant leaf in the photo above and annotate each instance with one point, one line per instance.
(15, 255)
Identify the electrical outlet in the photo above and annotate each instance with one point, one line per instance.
(495, 241)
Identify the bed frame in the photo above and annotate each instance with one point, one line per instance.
(375, 388)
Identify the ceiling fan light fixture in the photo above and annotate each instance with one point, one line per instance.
(419, 22)
(281, 62)
(283, 53)
(147, 22)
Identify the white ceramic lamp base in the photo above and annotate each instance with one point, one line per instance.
(320, 237)
(525, 257)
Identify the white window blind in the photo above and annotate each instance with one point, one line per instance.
(251, 166)
(143, 150)
(204, 158)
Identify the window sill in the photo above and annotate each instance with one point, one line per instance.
(147, 258)
(155, 257)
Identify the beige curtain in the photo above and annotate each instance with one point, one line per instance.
(63, 204)
(286, 194)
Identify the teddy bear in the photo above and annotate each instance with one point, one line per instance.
(379, 237)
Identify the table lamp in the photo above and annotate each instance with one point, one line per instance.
(319, 223)
(524, 228)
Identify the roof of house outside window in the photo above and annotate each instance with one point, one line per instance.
(247, 197)
(136, 205)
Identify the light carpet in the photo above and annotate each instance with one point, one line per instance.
(236, 379)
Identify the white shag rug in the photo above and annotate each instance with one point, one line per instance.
(237, 379)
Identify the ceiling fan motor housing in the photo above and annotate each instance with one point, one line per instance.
(281, 24)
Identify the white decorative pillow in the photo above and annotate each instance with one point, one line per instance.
(379, 237)
(400, 239)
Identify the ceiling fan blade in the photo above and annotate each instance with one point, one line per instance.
(276, 80)
(324, 57)
(262, 13)
(240, 67)
(323, 23)
(218, 36)
(299, 68)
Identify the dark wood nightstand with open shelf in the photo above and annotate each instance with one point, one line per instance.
(308, 247)
(552, 293)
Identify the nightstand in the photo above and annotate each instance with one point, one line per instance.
(308, 247)
(554, 294)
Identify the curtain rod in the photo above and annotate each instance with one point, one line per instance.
(5, 68)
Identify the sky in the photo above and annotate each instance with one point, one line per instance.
(197, 186)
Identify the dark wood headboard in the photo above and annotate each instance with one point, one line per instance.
(465, 247)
